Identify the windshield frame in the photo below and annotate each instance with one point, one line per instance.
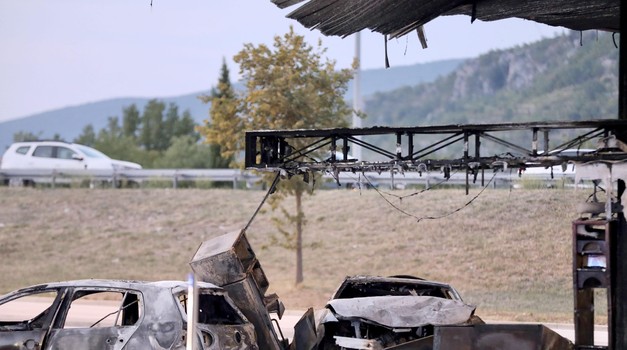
(91, 152)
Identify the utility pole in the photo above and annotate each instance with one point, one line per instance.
(356, 150)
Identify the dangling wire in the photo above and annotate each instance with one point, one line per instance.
(614, 40)
(390, 203)
(406, 44)
(462, 207)
(433, 217)
(419, 192)
(581, 38)
(270, 191)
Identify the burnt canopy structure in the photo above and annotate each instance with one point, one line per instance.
(397, 18)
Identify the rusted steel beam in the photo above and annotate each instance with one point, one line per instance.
(294, 151)
(611, 124)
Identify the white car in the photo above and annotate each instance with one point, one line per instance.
(59, 156)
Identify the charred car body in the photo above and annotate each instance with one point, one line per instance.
(127, 315)
(382, 312)
(234, 312)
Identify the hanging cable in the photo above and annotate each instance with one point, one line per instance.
(270, 191)
(390, 203)
(433, 217)
(462, 207)
(415, 193)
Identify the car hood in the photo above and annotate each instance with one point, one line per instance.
(402, 311)
(122, 165)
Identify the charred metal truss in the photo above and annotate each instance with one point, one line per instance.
(277, 150)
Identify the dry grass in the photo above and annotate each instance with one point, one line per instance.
(509, 252)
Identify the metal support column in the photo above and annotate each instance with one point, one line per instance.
(622, 67)
(618, 296)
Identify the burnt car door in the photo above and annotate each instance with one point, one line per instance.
(26, 318)
(97, 318)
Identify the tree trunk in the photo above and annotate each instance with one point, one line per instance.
(299, 237)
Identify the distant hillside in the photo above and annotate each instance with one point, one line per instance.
(68, 122)
(553, 79)
(382, 80)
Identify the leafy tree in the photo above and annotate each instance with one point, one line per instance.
(223, 92)
(130, 121)
(22, 136)
(224, 88)
(113, 129)
(146, 138)
(186, 126)
(186, 152)
(287, 86)
(123, 147)
(112, 142)
(152, 136)
(171, 122)
(87, 136)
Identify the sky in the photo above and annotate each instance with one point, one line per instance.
(62, 53)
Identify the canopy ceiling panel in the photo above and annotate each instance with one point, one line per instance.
(399, 17)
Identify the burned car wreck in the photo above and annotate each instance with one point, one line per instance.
(111, 314)
(365, 312)
(371, 312)
(234, 312)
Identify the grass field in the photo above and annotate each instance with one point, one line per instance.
(508, 252)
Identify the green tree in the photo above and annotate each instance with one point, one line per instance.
(221, 94)
(87, 136)
(113, 129)
(170, 124)
(186, 152)
(186, 126)
(224, 88)
(130, 121)
(22, 136)
(125, 148)
(151, 136)
(287, 86)
(112, 142)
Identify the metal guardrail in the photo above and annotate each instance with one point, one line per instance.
(251, 178)
(56, 176)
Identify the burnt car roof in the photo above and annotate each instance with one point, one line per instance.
(149, 315)
(394, 280)
(123, 284)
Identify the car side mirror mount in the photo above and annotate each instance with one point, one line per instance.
(76, 157)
